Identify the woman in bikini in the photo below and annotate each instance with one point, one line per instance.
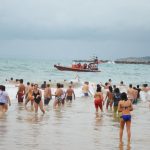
(125, 106)
(98, 99)
(37, 94)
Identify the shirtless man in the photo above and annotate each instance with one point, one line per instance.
(131, 93)
(69, 94)
(21, 92)
(47, 94)
(58, 94)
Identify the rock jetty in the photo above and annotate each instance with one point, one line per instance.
(134, 60)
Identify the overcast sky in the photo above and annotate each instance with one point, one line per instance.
(74, 28)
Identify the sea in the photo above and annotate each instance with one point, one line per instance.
(74, 126)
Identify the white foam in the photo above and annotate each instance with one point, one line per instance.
(145, 96)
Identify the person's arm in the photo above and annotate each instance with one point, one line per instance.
(105, 98)
(119, 107)
(74, 95)
(131, 107)
(9, 100)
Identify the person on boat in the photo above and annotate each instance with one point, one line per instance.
(116, 99)
(98, 99)
(4, 99)
(85, 89)
(58, 94)
(109, 98)
(21, 92)
(37, 94)
(47, 94)
(85, 66)
(125, 106)
(69, 94)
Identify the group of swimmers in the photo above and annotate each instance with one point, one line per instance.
(122, 102)
(119, 98)
(32, 93)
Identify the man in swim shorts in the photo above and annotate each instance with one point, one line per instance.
(69, 94)
(21, 92)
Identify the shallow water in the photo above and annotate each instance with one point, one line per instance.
(74, 126)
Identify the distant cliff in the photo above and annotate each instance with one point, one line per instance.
(134, 60)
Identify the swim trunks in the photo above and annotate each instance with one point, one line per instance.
(126, 118)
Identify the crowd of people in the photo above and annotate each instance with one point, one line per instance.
(117, 98)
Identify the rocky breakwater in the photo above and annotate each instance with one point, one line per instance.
(134, 60)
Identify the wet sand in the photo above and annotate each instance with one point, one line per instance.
(74, 126)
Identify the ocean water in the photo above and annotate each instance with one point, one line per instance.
(74, 126)
(40, 70)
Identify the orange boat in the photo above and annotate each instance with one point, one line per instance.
(78, 67)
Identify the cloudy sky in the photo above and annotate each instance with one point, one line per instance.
(74, 28)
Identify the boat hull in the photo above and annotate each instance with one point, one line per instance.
(62, 68)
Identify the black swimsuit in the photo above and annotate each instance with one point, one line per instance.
(37, 99)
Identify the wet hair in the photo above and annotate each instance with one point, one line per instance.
(98, 89)
(130, 85)
(145, 85)
(117, 90)
(124, 96)
(121, 82)
(28, 83)
(21, 80)
(48, 85)
(98, 85)
(110, 89)
(3, 88)
(35, 84)
(106, 83)
(11, 78)
(114, 87)
(61, 85)
(58, 85)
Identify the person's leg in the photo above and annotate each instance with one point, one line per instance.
(55, 103)
(36, 107)
(41, 106)
(96, 106)
(128, 126)
(101, 106)
(122, 123)
(107, 104)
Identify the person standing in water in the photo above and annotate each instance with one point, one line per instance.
(21, 92)
(47, 94)
(58, 95)
(4, 99)
(37, 94)
(116, 99)
(109, 98)
(69, 94)
(98, 99)
(85, 89)
(125, 106)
